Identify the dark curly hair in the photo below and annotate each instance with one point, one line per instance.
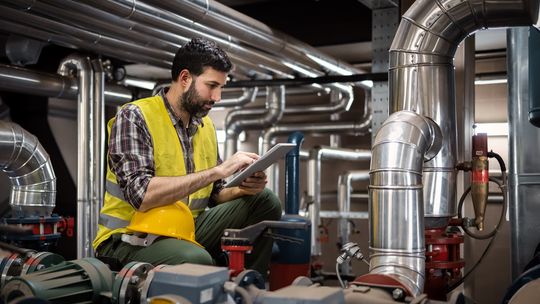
(198, 54)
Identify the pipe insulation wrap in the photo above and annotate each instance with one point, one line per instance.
(30, 171)
(399, 150)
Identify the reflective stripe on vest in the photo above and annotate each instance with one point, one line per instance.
(111, 222)
(114, 190)
(198, 203)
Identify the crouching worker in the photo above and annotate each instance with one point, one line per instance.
(164, 170)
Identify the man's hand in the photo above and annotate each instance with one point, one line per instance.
(254, 184)
(237, 162)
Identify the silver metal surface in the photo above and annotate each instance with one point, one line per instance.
(17, 79)
(316, 156)
(248, 95)
(384, 25)
(378, 4)
(81, 66)
(98, 146)
(30, 171)
(399, 150)
(237, 120)
(344, 189)
(524, 167)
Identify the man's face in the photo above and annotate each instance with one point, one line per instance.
(204, 91)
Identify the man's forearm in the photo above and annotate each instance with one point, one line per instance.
(228, 194)
(164, 190)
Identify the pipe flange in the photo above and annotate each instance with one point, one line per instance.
(129, 281)
(41, 260)
(250, 277)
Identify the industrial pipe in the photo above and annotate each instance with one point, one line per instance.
(98, 146)
(85, 157)
(316, 156)
(421, 77)
(236, 121)
(292, 175)
(402, 144)
(23, 159)
(344, 191)
(21, 80)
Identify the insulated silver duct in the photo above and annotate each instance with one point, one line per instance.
(30, 171)
(237, 121)
(316, 156)
(248, 95)
(85, 157)
(21, 80)
(402, 144)
(421, 77)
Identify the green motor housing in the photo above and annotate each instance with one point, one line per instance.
(78, 281)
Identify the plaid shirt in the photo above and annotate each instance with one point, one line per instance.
(131, 153)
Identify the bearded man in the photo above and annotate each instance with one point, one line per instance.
(165, 200)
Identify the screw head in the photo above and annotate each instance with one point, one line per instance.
(397, 294)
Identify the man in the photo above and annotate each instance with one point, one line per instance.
(163, 156)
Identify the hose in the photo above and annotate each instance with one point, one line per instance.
(244, 294)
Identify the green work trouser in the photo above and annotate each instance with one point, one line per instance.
(209, 226)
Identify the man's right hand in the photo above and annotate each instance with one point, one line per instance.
(237, 162)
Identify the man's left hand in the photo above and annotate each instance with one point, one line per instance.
(254, 184)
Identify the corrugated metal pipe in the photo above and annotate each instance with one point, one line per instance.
(30, 171)
(236, 121)
(421, 77)
(402, 144)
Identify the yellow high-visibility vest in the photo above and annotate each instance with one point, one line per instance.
(168, 161)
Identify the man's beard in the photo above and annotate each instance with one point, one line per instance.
(193, 103)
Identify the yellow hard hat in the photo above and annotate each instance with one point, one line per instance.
(173, 220)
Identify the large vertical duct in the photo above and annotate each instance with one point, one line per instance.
(421, 77)
(81, 67)
(30, 171)
(402, 144)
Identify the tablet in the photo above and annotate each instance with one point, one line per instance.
(265, 161)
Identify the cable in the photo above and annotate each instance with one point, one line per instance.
(339, 276)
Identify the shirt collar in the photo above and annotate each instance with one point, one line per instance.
(194, 122)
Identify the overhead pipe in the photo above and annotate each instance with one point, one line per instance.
(30, 171)
(85, 157)
(421, 77)
(236, 122)
(22, 80)
(316, 156)
(344, 190)
(63, 34)
(98, 145)
(177, 29)
(403, 143)
(216, 15)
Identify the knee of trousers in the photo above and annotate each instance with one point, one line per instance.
(272, 204)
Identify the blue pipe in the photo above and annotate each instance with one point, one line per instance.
(292, 174)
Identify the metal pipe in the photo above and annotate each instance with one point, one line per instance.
(316, 156)
(85, 157)
(98, 146)
(23, 159)
(248, 95)
(344, 189)
(421, 75)
(236, 121)
(292, 175)
(64, 34)
(149, 18)
(21, 80)
(215, 15)
(402, 144)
